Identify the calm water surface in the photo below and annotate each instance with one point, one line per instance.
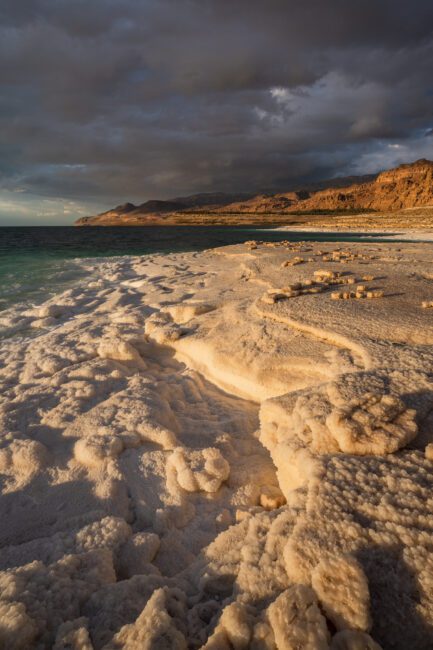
(38, 261)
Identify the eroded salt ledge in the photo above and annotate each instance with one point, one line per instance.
(211, 451)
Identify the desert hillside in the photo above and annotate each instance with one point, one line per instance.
(405, 187)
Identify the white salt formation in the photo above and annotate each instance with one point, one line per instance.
(223, 450)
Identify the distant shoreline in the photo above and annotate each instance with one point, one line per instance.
(409, 234)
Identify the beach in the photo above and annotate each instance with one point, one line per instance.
(386, 233)
(230, 448)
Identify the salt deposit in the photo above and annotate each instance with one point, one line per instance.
(212, 451)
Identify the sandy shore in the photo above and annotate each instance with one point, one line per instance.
(406, 234)
(218, 450)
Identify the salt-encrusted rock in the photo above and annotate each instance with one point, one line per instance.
(260, 572)
(198, 470)
(109, 532)
(118, 605)
(73, 635)
(342, 589)
(120, 350)
(23, 456)
(157, 626)
(429, 451)
(379, 523)
(161, 328)
(17, 630)
(375, 294)
(372, 424)
(296, 620)
(271, 497)
(233, 631)
(356, 414)
(263, 637)
(53, 594)
(50, 311)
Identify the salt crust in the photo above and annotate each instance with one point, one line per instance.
(186, 465)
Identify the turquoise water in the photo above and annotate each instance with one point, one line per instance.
(38, 261)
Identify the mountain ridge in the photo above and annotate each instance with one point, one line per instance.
(409, 185)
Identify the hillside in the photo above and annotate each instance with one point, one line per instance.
(405, 187)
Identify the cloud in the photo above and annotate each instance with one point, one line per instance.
(117, 100)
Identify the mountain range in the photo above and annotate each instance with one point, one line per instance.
(407, 186)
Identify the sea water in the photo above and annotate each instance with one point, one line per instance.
(36, 262)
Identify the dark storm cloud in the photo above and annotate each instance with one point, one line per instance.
(113, 100)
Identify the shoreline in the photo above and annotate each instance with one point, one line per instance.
(199, 442)
(408, 234)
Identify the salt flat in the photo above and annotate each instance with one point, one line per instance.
(228, 449)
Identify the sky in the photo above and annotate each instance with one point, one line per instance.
(110, 101)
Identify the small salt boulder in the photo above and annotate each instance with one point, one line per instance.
(342, 589)
(158, 625)
(323, 274)
(17, 630)
(73, 635)
(196, 471)
(372, 424)
(50, 311)
(233, 630)
(297, 622)
(375, 294)
(271, 497)
(24, 456)
(119, 350)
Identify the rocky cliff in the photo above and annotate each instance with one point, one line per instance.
(407, 186)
